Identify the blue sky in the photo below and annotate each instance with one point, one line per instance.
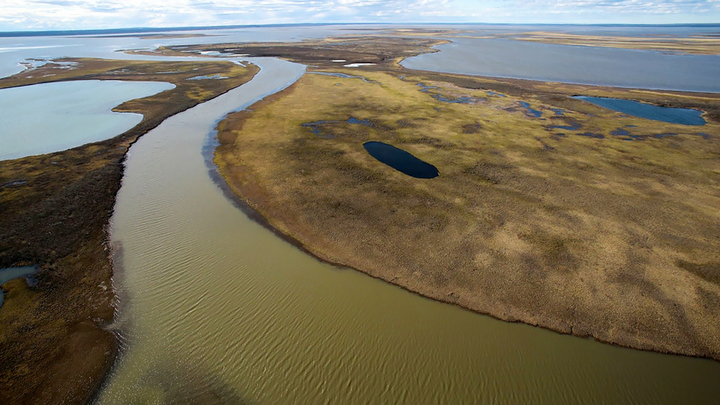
(97, 14)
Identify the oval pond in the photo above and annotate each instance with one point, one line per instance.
(400, 160)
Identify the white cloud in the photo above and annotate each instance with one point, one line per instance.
(87, 14)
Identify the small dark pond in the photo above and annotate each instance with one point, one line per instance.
(574, 126)
(14, 183)
(353, 120)
(400, 160)
(620, 132)
(209, 77)
(592, 135)
(344, 76)
(458, 100)
(492, 93)
(11, 273)
(684, 116)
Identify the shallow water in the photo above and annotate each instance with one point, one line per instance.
(684, 116)
(217, 307)
(491, 57)
(530, 112)
(573, 64)
(11, 273)
(17, 49)
(51, 117)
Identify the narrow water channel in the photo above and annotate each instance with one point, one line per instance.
(215, 308)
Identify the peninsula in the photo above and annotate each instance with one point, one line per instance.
(547, 209)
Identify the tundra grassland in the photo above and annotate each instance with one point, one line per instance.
(548, 210)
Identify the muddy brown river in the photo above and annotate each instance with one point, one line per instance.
(215, 308)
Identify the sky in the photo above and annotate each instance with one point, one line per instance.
(20, 15)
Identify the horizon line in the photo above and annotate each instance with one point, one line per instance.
(235, 26)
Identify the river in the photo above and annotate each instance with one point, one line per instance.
(216, 308)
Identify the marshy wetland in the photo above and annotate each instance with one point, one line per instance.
(546, 210)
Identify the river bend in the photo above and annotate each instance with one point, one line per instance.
(214, 308)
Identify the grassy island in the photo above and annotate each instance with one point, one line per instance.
(548, 210)
(55, 210)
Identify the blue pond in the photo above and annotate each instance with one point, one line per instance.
(620, 132)
(353, 120)
(492, 93)
(344, 76)
(684, 116)
(592, 135)
(11, 273)
(457, 100)
(315, 126)
(209, 77)
(570, 127)
(530, 111)
(400, 160)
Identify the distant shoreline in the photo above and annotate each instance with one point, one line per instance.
(4, 34)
